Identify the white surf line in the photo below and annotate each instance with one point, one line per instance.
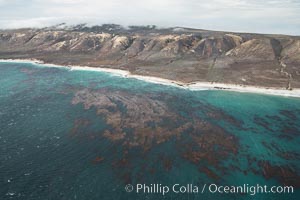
(195, 86)
(247, 89)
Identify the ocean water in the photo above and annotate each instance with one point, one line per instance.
(86, 135)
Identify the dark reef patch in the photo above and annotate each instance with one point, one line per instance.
(145, 121)
(285, 174)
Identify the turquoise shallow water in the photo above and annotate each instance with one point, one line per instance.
(86, 135)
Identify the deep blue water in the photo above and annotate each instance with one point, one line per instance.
(86, 135)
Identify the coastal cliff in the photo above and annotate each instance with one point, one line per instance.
(181, 54)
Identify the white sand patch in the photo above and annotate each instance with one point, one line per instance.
(195, 86)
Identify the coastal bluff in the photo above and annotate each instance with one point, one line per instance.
(180, 54)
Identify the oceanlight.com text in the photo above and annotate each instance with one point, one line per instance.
(208, 188)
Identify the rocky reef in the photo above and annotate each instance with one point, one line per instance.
(139, 120)
(140, 124)
(146, 121)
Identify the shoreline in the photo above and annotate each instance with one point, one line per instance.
(194, 86)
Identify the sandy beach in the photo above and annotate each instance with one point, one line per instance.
(195, 86)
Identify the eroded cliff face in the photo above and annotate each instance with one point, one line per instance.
(179, 54)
